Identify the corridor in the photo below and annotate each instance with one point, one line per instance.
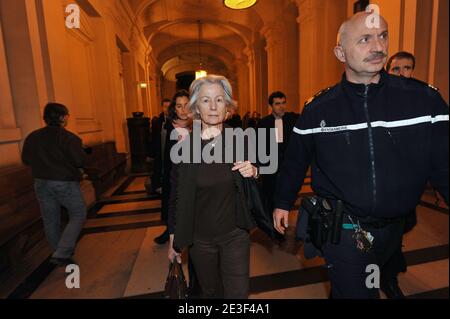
(113, 73)
(119, 259)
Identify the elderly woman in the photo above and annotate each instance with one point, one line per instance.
(211, 216)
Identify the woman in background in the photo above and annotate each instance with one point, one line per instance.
(179, 117)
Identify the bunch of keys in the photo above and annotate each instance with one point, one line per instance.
(364, 239)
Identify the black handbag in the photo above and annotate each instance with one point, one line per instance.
(176, 287)
(258, 206)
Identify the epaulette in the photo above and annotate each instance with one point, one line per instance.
(315, 96)
(425, 83)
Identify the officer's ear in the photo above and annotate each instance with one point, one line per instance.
(339, 53)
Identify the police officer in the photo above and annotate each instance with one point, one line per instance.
(373, 140)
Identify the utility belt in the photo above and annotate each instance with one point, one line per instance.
(370, 222)
(325, 223)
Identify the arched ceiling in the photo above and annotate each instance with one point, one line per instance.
(214, 59)
(184, 63)
(169, 24)
(153, 11)
(191, 48)
(175, 34)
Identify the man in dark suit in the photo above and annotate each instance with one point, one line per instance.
(233, 119)
(284, 123)
(158, 135)
(253, 121)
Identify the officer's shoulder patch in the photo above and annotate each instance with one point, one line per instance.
(424, 84)
(318, 94)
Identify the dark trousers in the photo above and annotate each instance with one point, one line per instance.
(222, 265)
(397, 263)
(347, 265)
(156, 179)
(269, 182)
(194, 285)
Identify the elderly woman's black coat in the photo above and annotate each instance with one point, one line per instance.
(182, 203)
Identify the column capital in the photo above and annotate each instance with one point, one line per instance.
(250, 55)
(247, 51)
(134, 40)
(270, 31)
(309, 10)
(298, 2)
(242, 59)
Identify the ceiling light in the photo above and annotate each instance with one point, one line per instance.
(239, 4)
(200, 74)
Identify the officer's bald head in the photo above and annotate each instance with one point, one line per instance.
(355, 23)
(342, 33)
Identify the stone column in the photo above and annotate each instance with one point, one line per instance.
(20, 62)
(251, 78)
(10, 134)
(243, 84)
(275, 66)
(318, 23)
(282, 58)
(117, 100)
(256, 66)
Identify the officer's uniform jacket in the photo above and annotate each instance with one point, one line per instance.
(373, 146)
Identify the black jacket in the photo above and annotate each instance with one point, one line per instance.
(157, 126)
(182, 202)
(156, 149)
(182, 224)
(289, 120)
(54, 154)
(373, 146)
(167, 168)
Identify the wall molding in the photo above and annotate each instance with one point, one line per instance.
(10, 135)
(88, 126)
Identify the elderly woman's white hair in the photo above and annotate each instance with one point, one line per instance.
(210, 79)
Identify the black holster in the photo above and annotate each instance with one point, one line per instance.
(324, 223)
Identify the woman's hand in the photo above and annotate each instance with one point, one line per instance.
(245, 168)
(172, 254)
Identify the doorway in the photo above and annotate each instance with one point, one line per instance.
(184, 80)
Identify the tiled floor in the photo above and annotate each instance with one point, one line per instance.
(136, 185)
(125, 207)
(118, 258)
